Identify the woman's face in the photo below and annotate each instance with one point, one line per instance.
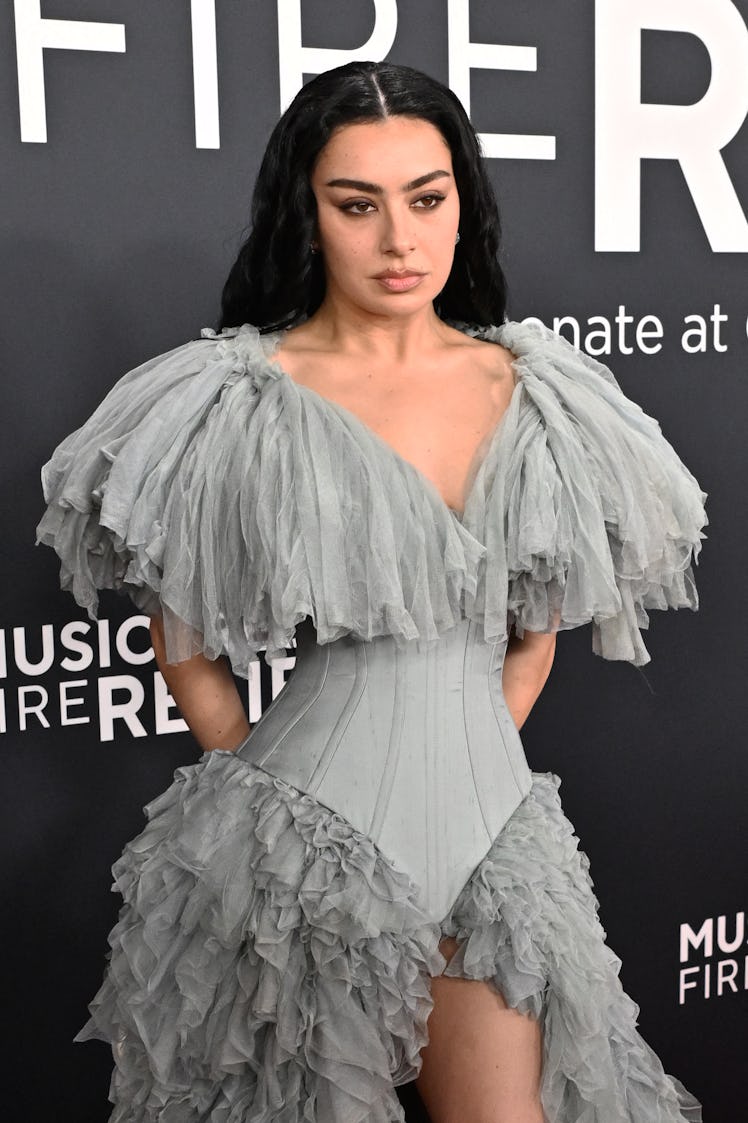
(388, 212)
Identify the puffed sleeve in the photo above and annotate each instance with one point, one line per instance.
(132, 472)
(586, 510)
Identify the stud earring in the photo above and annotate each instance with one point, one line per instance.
(457, 238)
(314, 247)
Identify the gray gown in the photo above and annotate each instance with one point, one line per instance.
(284, 904)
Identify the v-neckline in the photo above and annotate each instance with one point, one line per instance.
(270, 345)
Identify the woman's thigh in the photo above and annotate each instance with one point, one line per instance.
(483, 1060)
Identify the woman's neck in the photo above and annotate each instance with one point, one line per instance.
(391, 339)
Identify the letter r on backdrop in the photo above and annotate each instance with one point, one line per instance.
(295, 60)
(33, 35)
(627, 131)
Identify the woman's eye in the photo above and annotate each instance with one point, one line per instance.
(428, 202)
(358, 206)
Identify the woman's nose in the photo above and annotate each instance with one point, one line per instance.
(399, 235)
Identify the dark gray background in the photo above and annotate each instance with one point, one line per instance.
(116, 237)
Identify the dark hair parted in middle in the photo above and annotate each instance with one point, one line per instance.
(276, 281)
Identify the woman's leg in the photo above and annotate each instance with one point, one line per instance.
(483, 1061)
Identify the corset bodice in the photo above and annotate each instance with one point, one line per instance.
(414, 746)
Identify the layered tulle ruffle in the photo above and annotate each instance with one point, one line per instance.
(211, 486)
(528, 920)
(269, 964)
(586, 511)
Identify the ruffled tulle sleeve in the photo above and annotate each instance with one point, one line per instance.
(118, 488)
(215, 491)
(587, 512)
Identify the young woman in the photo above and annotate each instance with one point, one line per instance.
(371, 886)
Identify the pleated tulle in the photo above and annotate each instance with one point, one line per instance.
(269, 964)
(528, 920)
(210, 486)
(585, 509)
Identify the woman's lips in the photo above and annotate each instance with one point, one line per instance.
(399, 282)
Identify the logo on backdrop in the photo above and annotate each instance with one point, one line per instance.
(627, 131)
(713, 957)
(82, 673)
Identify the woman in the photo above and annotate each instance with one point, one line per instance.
(371, 886)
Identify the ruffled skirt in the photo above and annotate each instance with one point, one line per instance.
(270, 964)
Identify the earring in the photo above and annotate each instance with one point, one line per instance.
(314, 247)
(457, 238)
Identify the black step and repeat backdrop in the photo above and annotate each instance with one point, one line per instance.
(614, 131)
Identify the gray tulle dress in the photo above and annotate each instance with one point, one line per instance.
(284, 904)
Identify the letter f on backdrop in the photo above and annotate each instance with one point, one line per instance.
(34, 34)
(627, 131)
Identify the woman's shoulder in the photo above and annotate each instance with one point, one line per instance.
(246, 341)
(532, 342)
(483, 345)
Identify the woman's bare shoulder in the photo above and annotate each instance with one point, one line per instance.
(494, 359)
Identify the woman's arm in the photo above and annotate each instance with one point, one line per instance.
(527, 664)
(206, 694)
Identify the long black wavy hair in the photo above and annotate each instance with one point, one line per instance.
(276, 281)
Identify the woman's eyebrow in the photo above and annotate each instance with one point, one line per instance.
(375, 189)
